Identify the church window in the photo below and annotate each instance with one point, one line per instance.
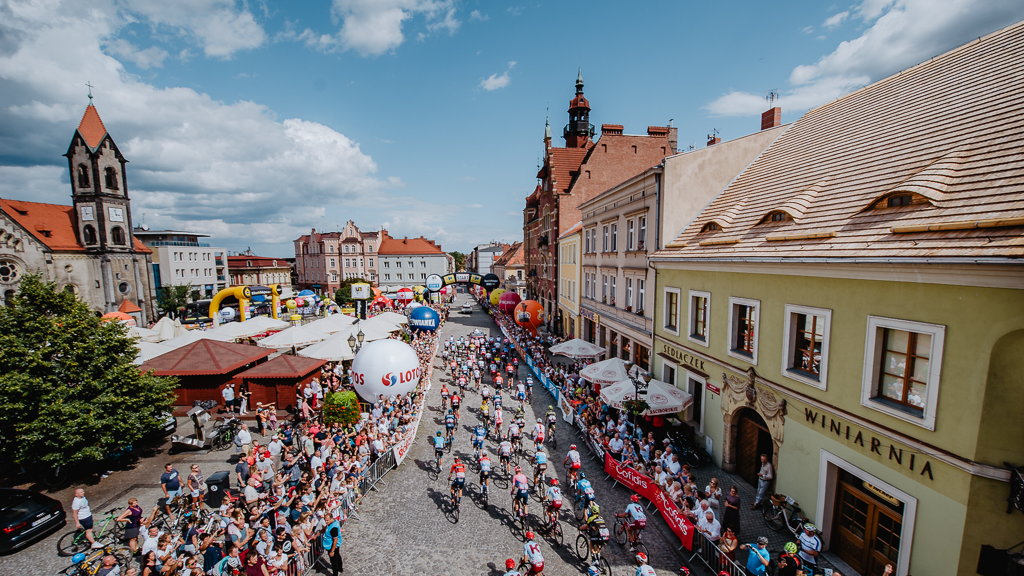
(117, 235)
(124, 288)
(83, 176)
(89, 234)
(110, 178)
(9, 271)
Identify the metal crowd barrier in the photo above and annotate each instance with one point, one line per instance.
(375, 472)
(708, 553)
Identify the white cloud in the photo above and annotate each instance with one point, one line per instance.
(478, 15)
(836, 19)
(195, 161)
(152, 57)
(375, 27)
(221, 27)
(498, 81)
(899, 34)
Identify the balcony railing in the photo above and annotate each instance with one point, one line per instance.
(174, 243)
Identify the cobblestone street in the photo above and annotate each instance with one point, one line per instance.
(405, 527)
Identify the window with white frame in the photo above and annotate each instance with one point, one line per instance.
(611, 289)
(615, 237)
(641, 294)
(902, 360)
(604, 238)
(805, 344)
(670, 311)
(630, 234)
(604, 288)
(629, 294)
(641, 232)
(743, 325)
(697, 317)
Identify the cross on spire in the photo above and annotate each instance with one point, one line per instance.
(89, 84)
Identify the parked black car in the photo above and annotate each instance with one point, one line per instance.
(27, 516)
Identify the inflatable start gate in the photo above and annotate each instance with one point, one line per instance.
(244, 294)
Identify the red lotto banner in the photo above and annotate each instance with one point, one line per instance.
(647, 488)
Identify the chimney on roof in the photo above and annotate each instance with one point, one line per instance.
(670, 132)
(771, 118)
(611, 129)
(713, 138)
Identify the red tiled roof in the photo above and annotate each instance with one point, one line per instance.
(51, 224)
(205, 357)
(128, 307)
(421, 245)
(91, 127)
(284, 366)
(257, 262)
(563, 163)
(512, 257)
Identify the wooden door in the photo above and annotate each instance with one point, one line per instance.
(866, 534)
(752, 440)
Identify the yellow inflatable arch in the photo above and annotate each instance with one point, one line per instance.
(244, 294)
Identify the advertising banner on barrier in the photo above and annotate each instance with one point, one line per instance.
(647, 488)
(566, 407)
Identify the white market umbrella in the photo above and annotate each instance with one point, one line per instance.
(662, 398)
(168, 328)
(371, 330)
(333, 323)
(148, 350)
(393, 317)
(606, 371)
(334, 349)
(293, 337)
(378, 323)
(190, 337)
(577, 348)
(249, 328)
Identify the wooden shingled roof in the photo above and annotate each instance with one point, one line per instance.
(926, 164)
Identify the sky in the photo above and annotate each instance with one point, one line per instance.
(255, 121)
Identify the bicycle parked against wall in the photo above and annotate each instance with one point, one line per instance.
(784, 513)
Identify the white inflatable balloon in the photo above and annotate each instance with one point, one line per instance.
(387, 367)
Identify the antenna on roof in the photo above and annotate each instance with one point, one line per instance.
(714, 134)
(670, 122)
(89, 84)
(771, 98)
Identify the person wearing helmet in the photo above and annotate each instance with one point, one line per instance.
(810, 546)
(684, 571)
(573, 462)
(636, 519)
(450, 421)
(642, 567)
(788, 562)
(532, 555)
(510, 566)
(538, 433)
(484, 462)
(552, 420)
(457, 476)
(540, 465)
(594, 527)
(593, 570)
(584, 491)
(553, 496)
(456, 404)
(758, 558)
(505, 454)
(445, 393)
(520, 492)
(515, 435)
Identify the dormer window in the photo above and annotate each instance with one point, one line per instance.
(110, 178)
(83, 176)
(776, 216)
(898, 200)
(710, 227)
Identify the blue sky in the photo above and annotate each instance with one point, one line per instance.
(255, 121)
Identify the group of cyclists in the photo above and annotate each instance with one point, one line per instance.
(469, 360)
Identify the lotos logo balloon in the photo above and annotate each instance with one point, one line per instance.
(387, 367)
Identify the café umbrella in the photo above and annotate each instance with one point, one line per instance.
(662, 398)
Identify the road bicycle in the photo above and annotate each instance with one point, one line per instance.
(108, 527)
(88, 564)
(784, 512)
(593, 549)
(553, 527)
(223, 435)
(620, 535)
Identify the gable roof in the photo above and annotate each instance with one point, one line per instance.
(512, 257)
(91, 128)
(128, 307)
(944, 137)
(205, 357)
(406, 246)
(563, 164)
(284, 366)
(53, 225)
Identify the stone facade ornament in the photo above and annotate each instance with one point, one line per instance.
(739, 392)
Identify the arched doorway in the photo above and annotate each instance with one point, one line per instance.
(751, 439)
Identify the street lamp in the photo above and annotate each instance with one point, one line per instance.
(355, 341)
(641, 381)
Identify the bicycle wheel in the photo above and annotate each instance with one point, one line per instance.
(583, 547)
(220, 442)
(72, 543)
(619, 532)
(554, 441)
(604, 566)
(556, 533)
(774, 517)
(641, 547)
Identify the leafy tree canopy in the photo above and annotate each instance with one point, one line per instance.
(69, 390)
(171, 300)
(460, 260)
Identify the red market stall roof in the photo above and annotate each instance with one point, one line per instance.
(283, 367)
(205, 357)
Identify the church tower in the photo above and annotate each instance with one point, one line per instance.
(99, 189)
(579, 131)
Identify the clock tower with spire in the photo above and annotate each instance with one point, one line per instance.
(579, 132)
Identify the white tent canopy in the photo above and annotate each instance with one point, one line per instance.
(249, 328)
(606, 371)
(379, 323)
(148, 350)
(144, 334)
(333, 323)
(393, 317)
(662, 398)
(577, 348)
(168, 328)
(333, 349)
(193, 335)
(293, 337)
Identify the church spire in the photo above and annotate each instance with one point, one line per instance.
(579, 131)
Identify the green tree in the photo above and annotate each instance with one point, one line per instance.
(69, 390)
(343, 295)
(171, 300)
(460, 260)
